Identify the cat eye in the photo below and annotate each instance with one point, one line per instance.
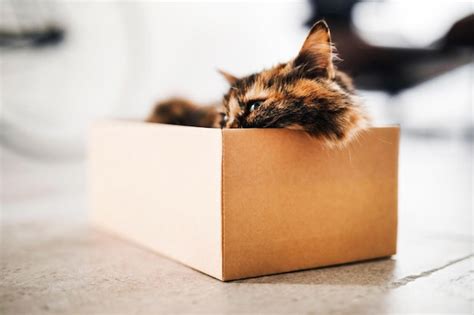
(254, 105)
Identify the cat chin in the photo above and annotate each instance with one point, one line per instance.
(355, 123)
(359, 124)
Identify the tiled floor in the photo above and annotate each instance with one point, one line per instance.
(53, 262)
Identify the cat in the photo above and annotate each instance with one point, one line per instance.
(307, 93)
(178, 111)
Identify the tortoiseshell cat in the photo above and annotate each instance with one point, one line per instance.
(307, 93)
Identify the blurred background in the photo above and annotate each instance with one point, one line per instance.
(67, 64)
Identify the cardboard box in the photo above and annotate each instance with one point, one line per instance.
(238, 203)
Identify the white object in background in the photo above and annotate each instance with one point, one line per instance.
(407, 24)
(50, 94)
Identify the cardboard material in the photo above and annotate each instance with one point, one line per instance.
(237, 203)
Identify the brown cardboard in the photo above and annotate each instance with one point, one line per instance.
(290, 203)
(239, 203)
(159, 186)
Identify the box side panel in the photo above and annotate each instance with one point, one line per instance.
(290, 203)
(160, 186)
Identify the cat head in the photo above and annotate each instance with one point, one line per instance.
(306, 93)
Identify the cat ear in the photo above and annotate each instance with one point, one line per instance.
(229, 77)
(316, 54)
